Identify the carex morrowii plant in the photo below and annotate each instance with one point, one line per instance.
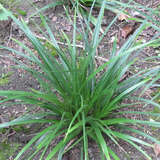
(80, 100)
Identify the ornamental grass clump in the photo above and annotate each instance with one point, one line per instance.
(78, 103)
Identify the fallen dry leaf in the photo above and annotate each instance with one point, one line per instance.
(54, 19)
(157, 149)
(126, 31)
(67, 28)
(123, 17)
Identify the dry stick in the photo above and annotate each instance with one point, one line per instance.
(69, 144)
(11, 134)
(77, 45)
(62, 43)
(10, 34)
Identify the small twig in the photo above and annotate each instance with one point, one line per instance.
(124, 76)
(14, 132)
(102, 59)
(77, 45)
(69, 144)
(10, 34)
(43, 38)
(158, 63)
(4, 56)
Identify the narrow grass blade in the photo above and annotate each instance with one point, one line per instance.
(102, 142)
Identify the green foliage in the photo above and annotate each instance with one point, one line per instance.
(4, 79)
(9, 3)
(79, 37)
(6, 150)
(21, 12)
(49, 46)
(80, 100)
(3, 16)
(156, 95)
(21, 129)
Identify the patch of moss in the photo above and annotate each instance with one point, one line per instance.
(7, 149)
(4, 79)
(20, 129)
(139, 42)
(156, 93)
(79, 37)
(51, 48)
(9, 3)
(156, 109)
(3, 130)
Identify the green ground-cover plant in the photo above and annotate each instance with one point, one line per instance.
(79, 103)
(4, 79)
(9, 3)
(7, 149)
